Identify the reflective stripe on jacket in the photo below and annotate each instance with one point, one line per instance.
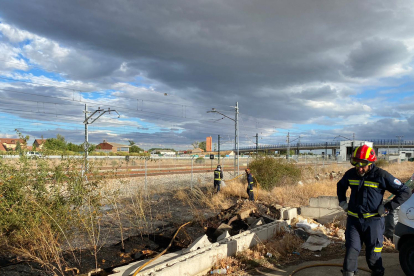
(250, 182)
(218, 175)
(367, 191)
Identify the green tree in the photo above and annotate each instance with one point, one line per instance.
(135, 148)
(57, 143)
(202, 145)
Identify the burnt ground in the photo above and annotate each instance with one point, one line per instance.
(165, 215)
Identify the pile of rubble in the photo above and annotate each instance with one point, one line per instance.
(247, 215)
(242, 216)
(315, 235)
(329, 175)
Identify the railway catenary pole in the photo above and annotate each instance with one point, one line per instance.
(146, 175)
(87, 122)
(86, 145)
(237, 136)
(288, 147)
(218, 143)
(257, 144)
(192, 159)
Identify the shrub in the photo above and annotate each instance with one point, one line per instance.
(200, 160)
(40, 204)
(273, 172)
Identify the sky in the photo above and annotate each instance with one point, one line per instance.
(322, 70)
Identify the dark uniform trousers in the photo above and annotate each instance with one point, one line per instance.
(370, 232)
(250, 192)
(250, 187)
(217, 185)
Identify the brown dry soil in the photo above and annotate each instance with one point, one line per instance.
(167, 215)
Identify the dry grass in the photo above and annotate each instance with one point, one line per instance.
(231, 264)
(203, 196)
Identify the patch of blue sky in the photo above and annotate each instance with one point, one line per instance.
(310, 127)
(24, 43)
(139, 82)
(395, 90)
(38, 72)
(40, 125)
(107, 94)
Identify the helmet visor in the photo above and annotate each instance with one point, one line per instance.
(359, 162)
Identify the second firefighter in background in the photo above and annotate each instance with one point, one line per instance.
(218, 176)
(249, 184)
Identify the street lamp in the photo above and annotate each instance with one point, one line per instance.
(236, 133)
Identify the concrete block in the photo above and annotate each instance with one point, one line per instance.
(223, 236)
(290, 213)
(262, 233)
(314, 202)
(322, 215)
(257, 223)
(328, 202)
(250, 220)
(310, 212)
(200, 260)
(200, 242)
(221, 229)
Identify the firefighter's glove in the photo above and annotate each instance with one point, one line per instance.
(382, 211)
(344, 205)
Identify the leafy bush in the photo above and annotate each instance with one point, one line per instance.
(274, 172)
(200, 160)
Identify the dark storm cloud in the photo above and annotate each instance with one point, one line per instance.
(375, 55)
(284, 61)
(215, 46)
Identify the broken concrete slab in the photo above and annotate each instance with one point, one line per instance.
(251, 220)
(322, 215)
(220, 230)
(223, 236)
(200, 260)
(257, 223)
(290, 213)
(200, 242)
(316, 243)
(245, 213)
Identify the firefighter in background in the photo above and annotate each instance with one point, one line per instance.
(218, 176)
(249, 185)
(366, 210)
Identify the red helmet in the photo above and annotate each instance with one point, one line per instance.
(247, 170)
(363, 156)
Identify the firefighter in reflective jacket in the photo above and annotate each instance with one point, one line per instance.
(365, 223)
(249, 185)
(218, 176)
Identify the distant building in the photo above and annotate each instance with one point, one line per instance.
(209, 141)
(38, 143)
(9, 144)
(112, 147)
(197, 151)
(346, 148)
